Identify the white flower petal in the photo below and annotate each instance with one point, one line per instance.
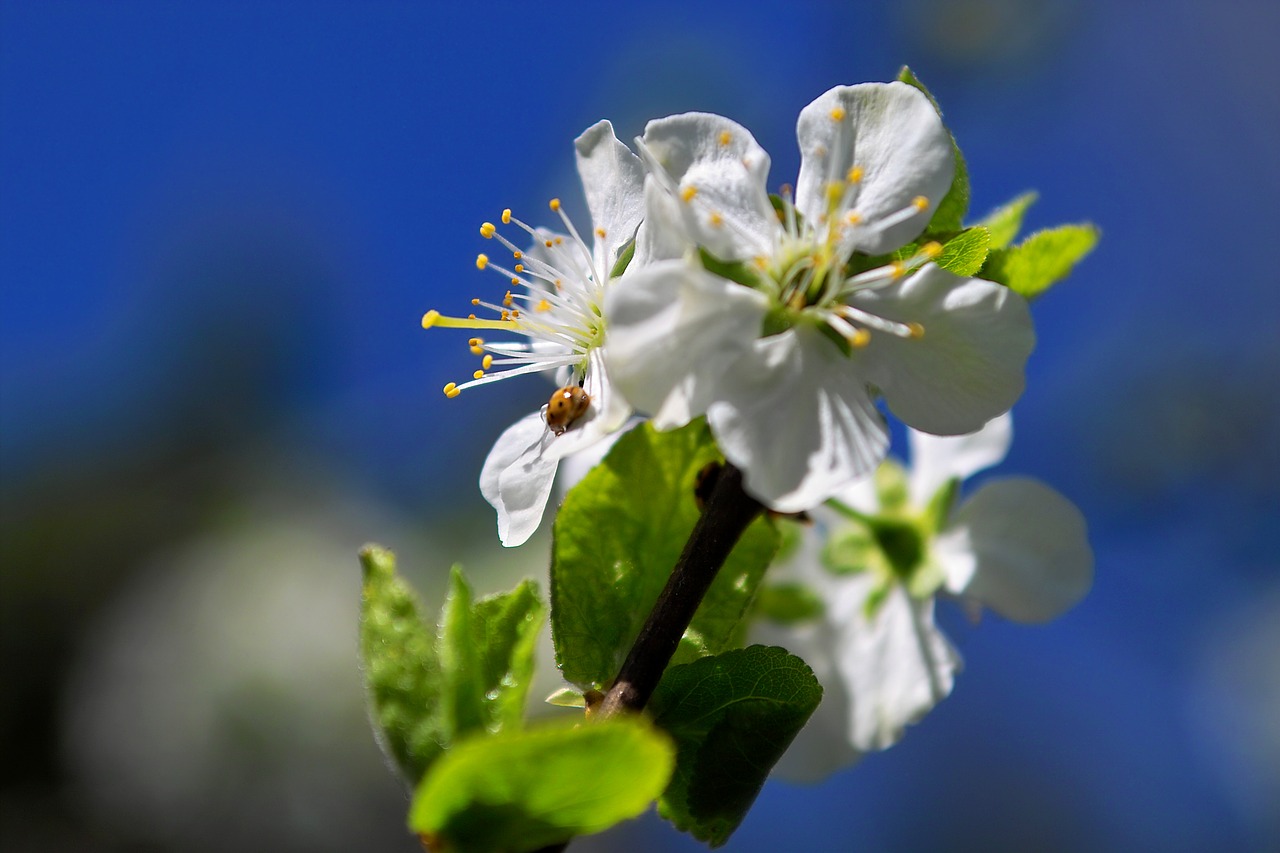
(967, 368)
(721, 169)
(673, 329)
(895, 666)
(662, 235)
(517, 476)
(937, 459)
(894, 134)
(613, 181)
(795, 416)
(1020, 548)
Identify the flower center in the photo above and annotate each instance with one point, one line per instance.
(553, 303)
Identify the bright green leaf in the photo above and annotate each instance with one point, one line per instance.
(965, 253)
(732, 716)
(1005, 221)
(617, 537)
(1042, 259)
(507, 626)
(402, 673)
(520, 791)
(462, 694)
(949, 215)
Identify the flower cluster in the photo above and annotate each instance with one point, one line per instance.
(781, 319)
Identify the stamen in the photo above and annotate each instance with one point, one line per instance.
(451, 390)
(854, 175)
(725, 137)
(477, 374)
(434, 319)
(917, 330)
(477, 350)
(487, 230)
(920, 202)
(715, 220)
(874, 321)
(554, 204)
(838, 114)
(506, 216)
(543, 305)
(688, 193)
(482, 261)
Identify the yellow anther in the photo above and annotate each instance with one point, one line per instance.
(477, 374)
(515, 280)
(506, 315)
(515, 313)
(548, 244)
(931, 250)
(429, 318)
(725, 137)
(854, 175)
(838, 114)
(475, 342)
(917, 331)
(477, 350)
(506, 300)
(472, 316)
(475, 300)
(761, 262)
(600, 232)
(543, 305)
(689, 192)
(487, 230)
(860, 339)
(482, 261)
(559, 240)
(715, 220)
(835, 190)
(853, 217)
(920, 202)
(517, 255)
(554, 204)
(451, 390)
(519, 268)
(899, 269)
(506, 216)
(486, 362)
(558, 283)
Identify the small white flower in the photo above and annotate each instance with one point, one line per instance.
(556, 304)
(779, 337)
(878, 561)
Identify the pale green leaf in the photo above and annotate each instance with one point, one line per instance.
(1005, 221)
(1041, 260)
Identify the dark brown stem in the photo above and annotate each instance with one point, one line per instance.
(726, 513)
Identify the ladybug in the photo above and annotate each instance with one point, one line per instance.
(567, 404)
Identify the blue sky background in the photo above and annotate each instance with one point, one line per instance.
(220, 224)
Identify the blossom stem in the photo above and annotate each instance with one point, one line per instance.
(727, 512)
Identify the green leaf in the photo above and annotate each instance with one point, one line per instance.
(617, 537)
(1041, 260)
(738, 271)
(624, 259)
(732, 716)
(1005, 221)
(401, 671)
(788, 603)
(521, 791)
(950, 213)
(506, 626)
(965, 253)
(428, 687)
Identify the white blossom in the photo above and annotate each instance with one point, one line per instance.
(764, 320)
(555, 308)
(881, 556)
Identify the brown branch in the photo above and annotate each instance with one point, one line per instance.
(726, 513)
